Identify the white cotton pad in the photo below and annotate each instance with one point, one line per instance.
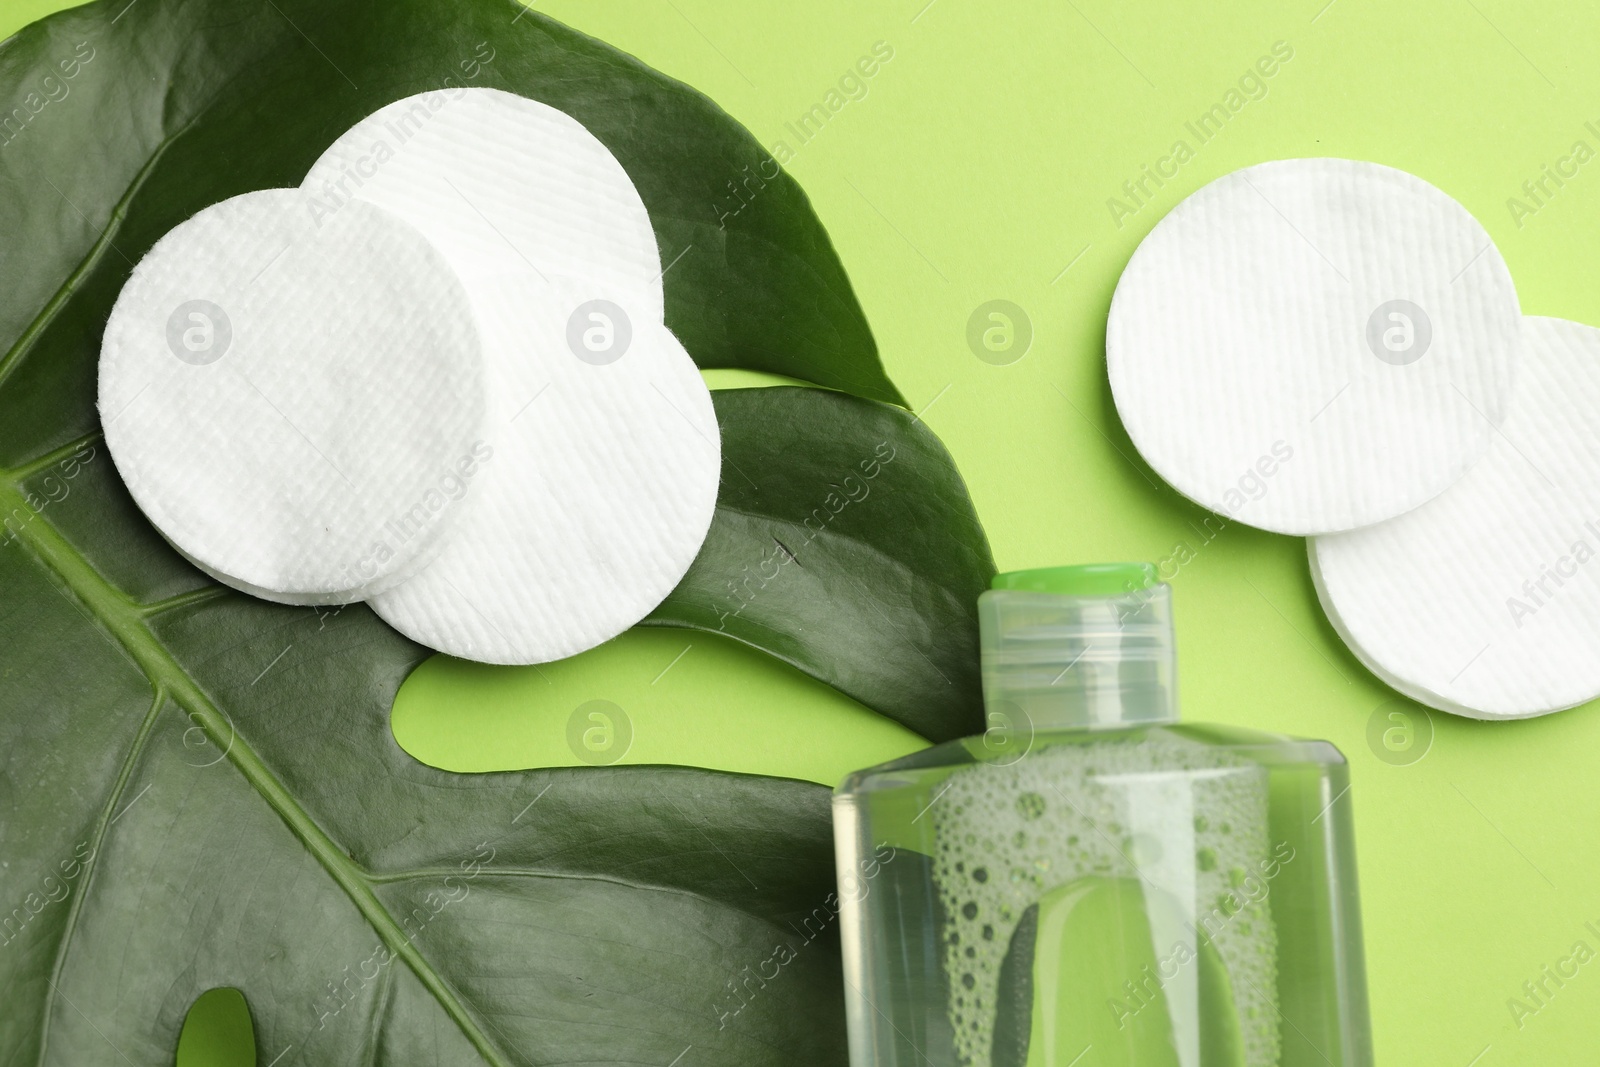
(283, 396)
(1313, 345)
(1485, 601)
(500, 184)
(599, 490)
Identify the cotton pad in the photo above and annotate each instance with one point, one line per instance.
(285, 397)
(500, 184)
(1485, 601)
(1313, 345)
(600, 488)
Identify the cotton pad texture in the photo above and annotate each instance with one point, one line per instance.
(500, 184)
(435, 378)
(1314, 345)
(602, 484)
(605, 455)
(1485, 601)
(283, 394)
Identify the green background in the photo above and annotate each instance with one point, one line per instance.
(977, 167)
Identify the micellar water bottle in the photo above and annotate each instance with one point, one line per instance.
(1091, 883)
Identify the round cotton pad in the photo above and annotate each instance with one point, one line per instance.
(1486, 600)
(1313, 345)
(283, 395)
(500, 184)
(599, 490)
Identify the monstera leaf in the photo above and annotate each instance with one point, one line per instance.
(200, 790)
(203, 791)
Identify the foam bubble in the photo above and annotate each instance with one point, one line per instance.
(1185, 817)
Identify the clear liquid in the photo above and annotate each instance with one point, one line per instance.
(1168, 896)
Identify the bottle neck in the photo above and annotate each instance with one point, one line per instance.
(1070, 662)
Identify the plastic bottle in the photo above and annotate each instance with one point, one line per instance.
(1091, 883)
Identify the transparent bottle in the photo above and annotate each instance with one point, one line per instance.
(1091, 883)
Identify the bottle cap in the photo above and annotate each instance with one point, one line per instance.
(1079, 647)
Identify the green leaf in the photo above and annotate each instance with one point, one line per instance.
(845, 544)
(175, 105)
(202, 790)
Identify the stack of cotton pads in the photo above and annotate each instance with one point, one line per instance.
(434, 378)
(1334, 349)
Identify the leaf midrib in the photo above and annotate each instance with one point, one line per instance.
(124, 623)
